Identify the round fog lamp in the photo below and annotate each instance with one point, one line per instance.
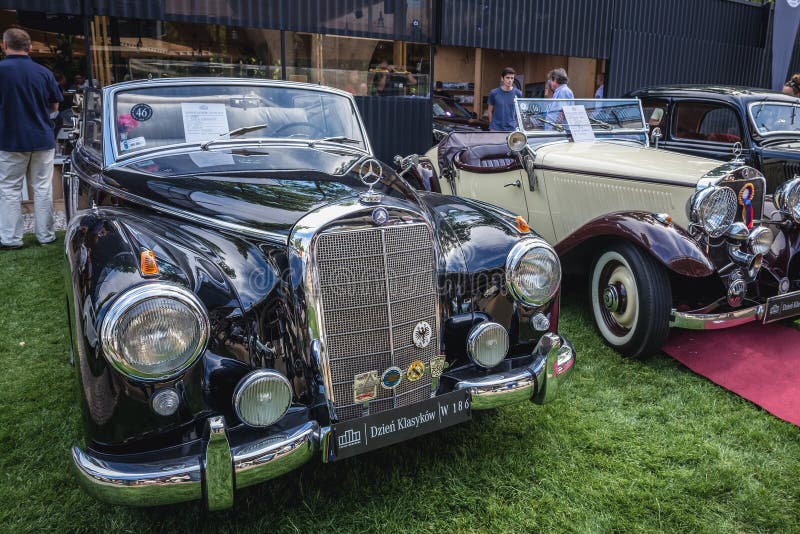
(487, 344)
(760, 240)
(262, 397)
(166, 401)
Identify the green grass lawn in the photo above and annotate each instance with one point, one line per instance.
(628, 446)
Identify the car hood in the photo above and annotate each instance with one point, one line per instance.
(626, 160)
(262, 195)
(788, 150)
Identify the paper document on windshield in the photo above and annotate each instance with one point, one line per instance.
(579, 125)
(202, 122)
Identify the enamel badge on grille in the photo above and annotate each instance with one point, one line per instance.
(365, 386)
(391, 377)
(422, 334)
(415, 371)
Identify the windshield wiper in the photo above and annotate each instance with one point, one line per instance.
(233, 133)
(541, 118)
(603, 124)
(335, 139)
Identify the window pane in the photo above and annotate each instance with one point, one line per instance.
(129, 49)
(707, 122)
(359, 66)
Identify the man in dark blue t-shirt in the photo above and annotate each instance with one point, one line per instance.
(29, 95)
(502, 112)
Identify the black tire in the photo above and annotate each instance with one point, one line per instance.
(631, 300)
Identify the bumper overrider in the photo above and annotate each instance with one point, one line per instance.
(221, 467)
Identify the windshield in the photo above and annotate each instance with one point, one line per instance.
(774, 117)
(149, 117)
(444, 107)
(605, 116)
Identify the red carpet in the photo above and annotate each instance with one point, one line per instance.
(758, 362)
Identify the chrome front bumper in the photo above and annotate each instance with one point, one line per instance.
(553, 361)
(697, 320)
(214, 475)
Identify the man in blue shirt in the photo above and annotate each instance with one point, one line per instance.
(502, 112)
(559, 80)
(29, 95)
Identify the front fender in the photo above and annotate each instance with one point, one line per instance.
(668, 243)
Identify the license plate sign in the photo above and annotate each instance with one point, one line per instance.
(400, 424)
(782, 307)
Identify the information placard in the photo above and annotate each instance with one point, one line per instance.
(579, 125)
(202, 122)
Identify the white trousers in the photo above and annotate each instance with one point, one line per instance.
(38, 167)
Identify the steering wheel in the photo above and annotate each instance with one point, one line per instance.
(299, 129)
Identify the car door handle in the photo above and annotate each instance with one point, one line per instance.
(515, 184)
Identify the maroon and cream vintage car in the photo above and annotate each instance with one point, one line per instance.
(665, 239)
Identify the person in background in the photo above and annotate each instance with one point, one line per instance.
(78, 82)
(389, 80)
(354, 85)
(501, 109)
(792, 87)
(29, 98)
(600, 80)
(559, 80)
(548, 89)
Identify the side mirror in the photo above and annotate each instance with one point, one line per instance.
(655, 135)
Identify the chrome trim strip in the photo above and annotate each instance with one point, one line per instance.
(388, 311)
(716, 321)
(217, 462)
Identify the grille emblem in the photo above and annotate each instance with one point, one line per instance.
(422, 334)
(415, 371)
(437, 366)
(380, 216)
(370, 173)
(391, 378)
(365, 386)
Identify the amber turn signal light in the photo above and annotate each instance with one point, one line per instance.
(522, 225)
(147, 263)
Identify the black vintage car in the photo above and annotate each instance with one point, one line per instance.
(248, 289)
(761, 127)
(450, 116)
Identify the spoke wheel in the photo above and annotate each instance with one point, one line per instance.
(631, 300)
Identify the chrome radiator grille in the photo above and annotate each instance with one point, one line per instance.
(375, 285)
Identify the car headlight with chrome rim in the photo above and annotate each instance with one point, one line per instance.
(154, 331)
(714, 209)
(533, 272)
(787, 198)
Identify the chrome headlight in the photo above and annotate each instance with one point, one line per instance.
(714, 208)
(760, 240)
(154, 331)
(787, 198)
(533, 272)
